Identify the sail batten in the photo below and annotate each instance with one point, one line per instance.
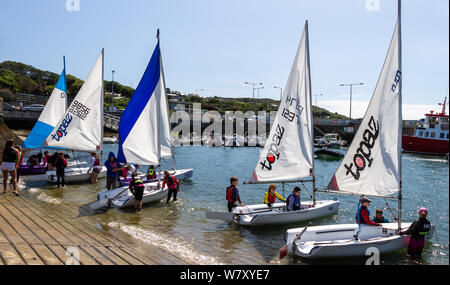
(288, 153)
(372, 164)
(80, 128)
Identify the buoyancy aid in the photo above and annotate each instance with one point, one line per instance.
(229, 194)
(271, 198)
(296, 201)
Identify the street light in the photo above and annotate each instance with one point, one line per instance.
(253, 84)
(112, 91)
(317, 96)
(351, 89)
(281, 91)
(259, 88)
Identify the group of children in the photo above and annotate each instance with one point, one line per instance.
(417, 230)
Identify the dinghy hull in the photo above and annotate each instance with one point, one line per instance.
(152, 193)
(75, 175)
(339, 240)
(261, 214)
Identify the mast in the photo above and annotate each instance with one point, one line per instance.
(102, 106)
(313, 172)
(400, 114)
(158, 115)
(65, 81)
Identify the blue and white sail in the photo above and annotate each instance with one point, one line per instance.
(50, 116)
(143, 124)
(80, 128)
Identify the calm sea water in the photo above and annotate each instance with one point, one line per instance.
(183, 228)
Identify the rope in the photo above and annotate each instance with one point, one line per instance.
(390, 210)
(304, 186)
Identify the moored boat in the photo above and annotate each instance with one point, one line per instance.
(328, 154)
(431, 135)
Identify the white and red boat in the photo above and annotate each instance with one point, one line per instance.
(431, 135)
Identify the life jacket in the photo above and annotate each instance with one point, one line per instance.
(376, 220)
(361, 220)
(138, 183)
(229, 193)
(151, 171)
(422, 228)
(97, 162)
(170, 180)
(296, 201)
(271, 198)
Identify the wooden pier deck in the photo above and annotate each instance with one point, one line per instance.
(33, 232)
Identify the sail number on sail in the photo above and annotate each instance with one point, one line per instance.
(79, 110)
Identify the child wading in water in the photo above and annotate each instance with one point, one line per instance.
(60, 164)
(137, 189)
(173, 184)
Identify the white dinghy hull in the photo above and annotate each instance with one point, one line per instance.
(152, 193)
(75, 175)
(261, 214)
(339, 240)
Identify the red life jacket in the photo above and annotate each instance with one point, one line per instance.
(97, 162)
(229, 193)
(271, 198)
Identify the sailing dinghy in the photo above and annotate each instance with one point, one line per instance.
(49, 118)
(288, 154)
(80, 128)
(371, 167)
(139, 136)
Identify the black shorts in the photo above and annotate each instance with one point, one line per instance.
(96, 170)
(138, 193)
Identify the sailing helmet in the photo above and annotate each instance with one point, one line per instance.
(423, 210)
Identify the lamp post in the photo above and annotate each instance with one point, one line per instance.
(258, 88)
(351, 89)
(316, 95)
(281, 92)
(112, 91)
(253, 84)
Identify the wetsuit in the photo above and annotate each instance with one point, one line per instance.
(60, 165)
(418, 231)
(174, 186)
(364, 217)
(232, 197)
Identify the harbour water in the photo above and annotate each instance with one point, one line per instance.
(183, 228)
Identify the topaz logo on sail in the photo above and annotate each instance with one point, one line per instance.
(73, 5)
(62, 130)
(273, 154)
(363, 156)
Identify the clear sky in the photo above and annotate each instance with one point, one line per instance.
(218, 45)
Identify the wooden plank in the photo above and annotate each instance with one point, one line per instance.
(85, 256)
(24, 250)
(110, 255)
(46, 254)
(26, 234)
(9, 255)
(97, 256)
(125, 256)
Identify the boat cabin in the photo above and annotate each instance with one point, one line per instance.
(434, 126)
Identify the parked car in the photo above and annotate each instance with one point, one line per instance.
(8, 107)
(34, 107)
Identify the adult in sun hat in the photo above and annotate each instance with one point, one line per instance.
(363, 214)
(418, 230)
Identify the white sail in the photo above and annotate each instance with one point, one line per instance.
(372, 163)
(288, 153)
(165, 131)
(81, 127)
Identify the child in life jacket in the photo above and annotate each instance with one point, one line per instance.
(137, 189)
(272, 195)
(232, 195)
(173, 184)
(418, 230)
